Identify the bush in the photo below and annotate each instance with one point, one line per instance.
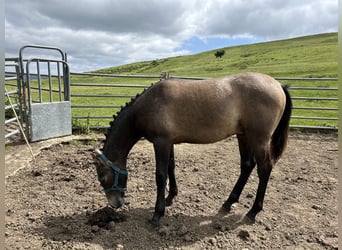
(219, 53)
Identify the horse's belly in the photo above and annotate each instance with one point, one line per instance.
(202, 139)
(197, 132)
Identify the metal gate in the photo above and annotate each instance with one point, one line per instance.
(13, 114)
(45, 86)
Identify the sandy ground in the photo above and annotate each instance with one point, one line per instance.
(49, 203)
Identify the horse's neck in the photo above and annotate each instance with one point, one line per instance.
(120, 140)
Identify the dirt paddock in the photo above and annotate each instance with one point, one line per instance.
(51, 204)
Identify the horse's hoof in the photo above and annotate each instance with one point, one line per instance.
(223, 210)
(155, 222)
(249, 218)
(226, 207)
(168, 202)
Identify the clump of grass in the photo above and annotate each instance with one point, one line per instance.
(82, 126)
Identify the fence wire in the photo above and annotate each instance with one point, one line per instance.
(315, 99)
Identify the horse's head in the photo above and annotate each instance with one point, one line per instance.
(112, 178)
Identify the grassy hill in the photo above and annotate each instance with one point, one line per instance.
(309, 56)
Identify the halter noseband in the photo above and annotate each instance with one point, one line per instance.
(99, 155)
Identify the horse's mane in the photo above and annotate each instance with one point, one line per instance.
(121, 111)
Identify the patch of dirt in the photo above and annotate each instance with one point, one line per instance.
(104, 216)
(58, 203)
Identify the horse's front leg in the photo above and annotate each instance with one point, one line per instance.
(162, 153)
(173, 190)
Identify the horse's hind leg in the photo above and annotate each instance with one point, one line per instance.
(264, 168)
(173, 190)
(247, 164)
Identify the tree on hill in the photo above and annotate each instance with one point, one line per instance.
(219, 53)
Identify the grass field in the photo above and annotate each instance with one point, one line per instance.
(310, 57)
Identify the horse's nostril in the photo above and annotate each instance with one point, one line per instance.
(115, 203)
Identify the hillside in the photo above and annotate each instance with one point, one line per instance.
(309, 56)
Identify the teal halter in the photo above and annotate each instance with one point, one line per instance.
(99, 155)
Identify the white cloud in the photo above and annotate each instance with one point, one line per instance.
(103, 33)
(269, 18)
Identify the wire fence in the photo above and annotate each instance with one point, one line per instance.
(99, 96)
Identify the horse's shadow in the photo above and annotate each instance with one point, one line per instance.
(136, 232)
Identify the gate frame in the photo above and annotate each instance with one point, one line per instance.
(25, 83)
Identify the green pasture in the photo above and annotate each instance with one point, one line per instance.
(309, 57)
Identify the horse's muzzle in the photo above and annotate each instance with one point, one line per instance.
(115, 202)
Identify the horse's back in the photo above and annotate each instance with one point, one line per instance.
(204, 111)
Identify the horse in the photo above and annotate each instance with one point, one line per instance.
(253, 106)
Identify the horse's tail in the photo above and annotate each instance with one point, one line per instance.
(279, 137)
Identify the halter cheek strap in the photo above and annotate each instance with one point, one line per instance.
(99, 155)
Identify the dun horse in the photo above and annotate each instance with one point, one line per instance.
(253, 106)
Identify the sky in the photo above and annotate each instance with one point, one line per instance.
(97, 34)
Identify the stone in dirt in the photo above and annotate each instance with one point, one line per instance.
(244, 234)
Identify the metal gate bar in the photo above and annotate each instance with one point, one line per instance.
(65, 93)
(12, 70)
